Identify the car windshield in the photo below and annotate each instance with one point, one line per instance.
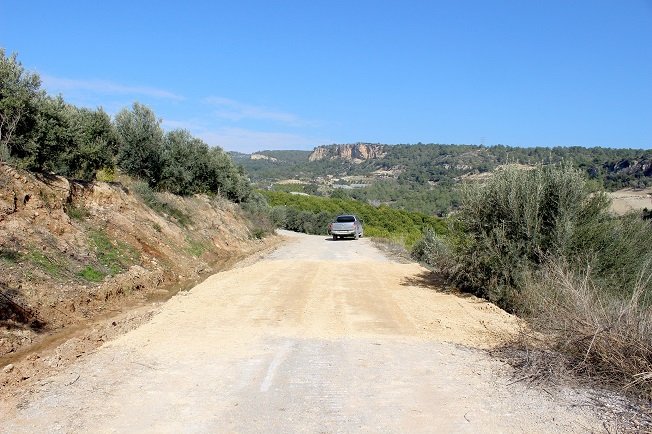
(345, 219)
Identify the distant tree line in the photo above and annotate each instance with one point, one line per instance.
(311, 214)
(43, 133)
(427, 176)
(428, 164)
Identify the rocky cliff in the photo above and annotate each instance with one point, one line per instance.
(633, 167)
(356, 153)
(262, 157)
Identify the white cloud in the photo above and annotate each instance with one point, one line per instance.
(58, 84)
(243, 140)
(235, 111)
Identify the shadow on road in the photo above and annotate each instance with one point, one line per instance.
(435, 282)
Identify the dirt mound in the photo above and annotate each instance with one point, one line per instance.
(71, 251)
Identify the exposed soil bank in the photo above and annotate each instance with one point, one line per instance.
(72, 253)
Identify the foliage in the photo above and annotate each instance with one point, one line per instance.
(50, 265)
(106, 175)
(312, 214)
(141, 138)
(425, 177)
(95, 143)
(521, 218)
(43, 133)
(113, 257)
(260, 216)
(19, 90)
(434, 250)
(439, 200)
(154, 201)
(63, 139)
(289, 188)
(76, 212)
(541, 243)
(91, 274)
(9, 255)
(195, 248)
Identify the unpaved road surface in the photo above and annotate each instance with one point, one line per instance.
(319, 336)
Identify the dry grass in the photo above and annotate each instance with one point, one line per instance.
(537, 364)
(606, 338)
(579, 333)
(582, 335)
(393, 249)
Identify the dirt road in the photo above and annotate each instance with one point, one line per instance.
(319, 336)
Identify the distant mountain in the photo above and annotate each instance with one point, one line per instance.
(424, 177)
(282, 156)
(431, 162)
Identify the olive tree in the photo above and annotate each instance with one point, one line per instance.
(18, 92)
(140, 141)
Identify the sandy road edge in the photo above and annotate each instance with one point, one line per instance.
(57, 351)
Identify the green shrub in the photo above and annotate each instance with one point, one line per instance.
(9, 255)
(50, 265)
(152, 199)
(259, 216)
(195, 248)
(258, 233)
(105, 175)
(77, 212)
(539, 242)
(434, 250)
(518, 220)
(115, 258)
(91, 274)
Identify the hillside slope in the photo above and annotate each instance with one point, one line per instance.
(70, 251)
(425, 177)
(433, 162)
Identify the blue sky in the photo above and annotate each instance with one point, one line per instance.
(253, 75)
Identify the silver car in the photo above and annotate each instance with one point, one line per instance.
(346, 225)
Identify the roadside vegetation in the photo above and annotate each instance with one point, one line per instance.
(42, 133)
(311, 214)
(542, 243)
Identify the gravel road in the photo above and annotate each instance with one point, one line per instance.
(318, 336)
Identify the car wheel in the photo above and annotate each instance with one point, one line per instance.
(334, 237)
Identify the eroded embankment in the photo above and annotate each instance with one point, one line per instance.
(72, 253)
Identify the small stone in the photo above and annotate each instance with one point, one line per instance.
(7, 369)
